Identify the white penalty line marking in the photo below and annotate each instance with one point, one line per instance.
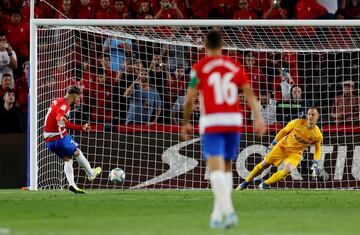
(5, 231)
(297, 233)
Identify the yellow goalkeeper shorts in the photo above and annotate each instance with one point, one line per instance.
(278, 154)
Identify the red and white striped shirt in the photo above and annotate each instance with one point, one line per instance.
(53, 128)
(219, 78)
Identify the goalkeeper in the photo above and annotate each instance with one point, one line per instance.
(288, 146)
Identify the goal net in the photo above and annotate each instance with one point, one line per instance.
(134, 79)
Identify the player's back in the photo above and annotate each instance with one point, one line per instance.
(51, 127)
(219, 78)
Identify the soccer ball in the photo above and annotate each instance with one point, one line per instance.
(117, 176)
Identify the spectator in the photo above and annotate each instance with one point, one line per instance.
(121, 10)
(25, 11)
(130, 72)
(352, 9)
(255, 6)
(346, 106)
(126, 77)
(175, 85)
(283, 84)
(66, 11)
(168, 10)
(63, 76)
(331, 6)
(8, 59)
(9, 114)
(220, 9)
(255, 74)
(111, 76)
(6, 83)
(176, 56)
(182, 7)
(177, 109)
(86, 10)
(4, 19)
(289, 59)
(309, 9)
(294, 108)
(159, 74)
(144, 10)
(244, 12)
(117, 48)
(144, 100)
(273, 10)
(144, 50)
(199, 8)
(18, 36)
(268, 107)
(101, 99)
(340, 14)
(105, 11)
(88, 80)
(22, 88)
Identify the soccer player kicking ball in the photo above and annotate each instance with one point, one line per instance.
(58, 141)
(288, 146)
(217, 78)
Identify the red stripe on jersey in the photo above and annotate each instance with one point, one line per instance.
(219, 80)
(58, 109)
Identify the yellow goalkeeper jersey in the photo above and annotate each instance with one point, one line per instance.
(296, 137)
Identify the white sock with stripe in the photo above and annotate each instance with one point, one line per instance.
(219, 185)
(83, 162)
(229, 181)
(69, 172)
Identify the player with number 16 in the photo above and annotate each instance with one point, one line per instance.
(217, 78)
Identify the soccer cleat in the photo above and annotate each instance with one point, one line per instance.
(242, 186)
(96, 171)
(231, 220)
(216, 224)
(263, 186)
(76, 190)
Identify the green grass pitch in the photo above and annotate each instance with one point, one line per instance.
(177, 212)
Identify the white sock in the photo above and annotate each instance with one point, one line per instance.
(222, 204)
(229, 181)
(84, 164)
(69, 172)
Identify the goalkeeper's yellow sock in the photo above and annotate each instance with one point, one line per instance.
(276, 177)
(258, 169)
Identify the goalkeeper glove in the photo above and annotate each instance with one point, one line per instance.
(315, 168)
(269, 148)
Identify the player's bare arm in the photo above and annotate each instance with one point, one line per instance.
(186, 128)
(259, 124)
(130, 89)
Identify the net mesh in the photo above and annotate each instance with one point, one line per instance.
(138, 130)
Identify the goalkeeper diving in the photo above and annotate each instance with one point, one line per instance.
(288, 146)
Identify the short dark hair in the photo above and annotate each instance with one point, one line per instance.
(16, 11)
(74, 90)
(314, 107)
(264, 92)
(213, 40)
(9, 90)
(6, 75)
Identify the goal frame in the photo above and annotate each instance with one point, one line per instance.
(32, 174)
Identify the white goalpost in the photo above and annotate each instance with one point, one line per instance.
(138, 131)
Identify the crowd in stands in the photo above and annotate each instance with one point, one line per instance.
(133, 81)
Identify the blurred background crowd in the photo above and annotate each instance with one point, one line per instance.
(140, 82)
